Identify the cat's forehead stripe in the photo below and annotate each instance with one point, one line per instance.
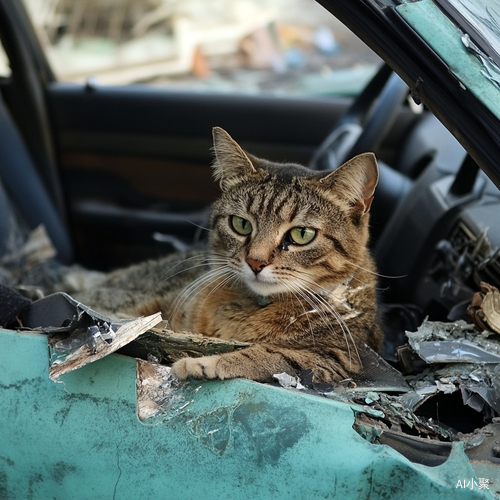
(282, 202)
(286, 199)
(258, 205)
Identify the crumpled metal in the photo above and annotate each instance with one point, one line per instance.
(484, 308)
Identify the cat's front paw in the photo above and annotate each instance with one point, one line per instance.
(198, 368)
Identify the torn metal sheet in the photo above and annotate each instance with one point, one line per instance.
(485, 308)
(457, 342)
(473, 364)
(104, 340)
(287, 381)
(378, 404)
(478, 385)
(77, 334)
(471, 384)
(481, 446)
(377, 374)
(455, 351)
(419, 450)
(154, 387)
(159, 394)
(482, 387)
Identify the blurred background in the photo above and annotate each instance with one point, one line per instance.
(274, 46)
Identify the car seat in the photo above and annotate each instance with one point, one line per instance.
(24, 200)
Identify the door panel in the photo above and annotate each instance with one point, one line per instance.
(135, 161)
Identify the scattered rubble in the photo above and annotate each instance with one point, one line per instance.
(219, 44)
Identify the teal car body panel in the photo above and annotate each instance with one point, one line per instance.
(81, 439)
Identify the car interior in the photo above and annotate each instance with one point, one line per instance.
(122, 174)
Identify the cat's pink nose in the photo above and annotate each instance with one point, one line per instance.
(256, 265)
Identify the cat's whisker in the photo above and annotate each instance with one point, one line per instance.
(321, 301)
(197, 286)
(198, 226)
(314, 295)
(183, 301)
(312, 299)
(367, 270)
(294, 293)
(225, 280)
(208, 261)
(344, 327)
(205, 279)
(327, 291)
(164, 279)
(322, 289)
(375, 273)
(165, 276)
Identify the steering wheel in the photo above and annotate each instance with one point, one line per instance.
(364, 125)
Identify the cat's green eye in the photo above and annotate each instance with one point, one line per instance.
(302, 235)
(241, 225)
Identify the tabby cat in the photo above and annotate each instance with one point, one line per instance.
(288, 270)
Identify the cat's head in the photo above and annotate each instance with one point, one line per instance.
(283, 227)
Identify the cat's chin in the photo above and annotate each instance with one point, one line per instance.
(264, 287)
(264, 283)
(266, 290)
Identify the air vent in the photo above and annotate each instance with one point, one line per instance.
(461, 237)
(476, 249)
(475, 246)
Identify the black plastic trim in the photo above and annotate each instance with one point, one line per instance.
(387, 33)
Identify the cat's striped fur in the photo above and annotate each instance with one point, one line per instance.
(288, 270)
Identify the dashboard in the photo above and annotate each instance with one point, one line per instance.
(443, 238)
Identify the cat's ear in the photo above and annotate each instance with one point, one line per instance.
(356, 179)
(231, 162)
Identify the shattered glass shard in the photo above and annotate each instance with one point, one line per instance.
(457, 342)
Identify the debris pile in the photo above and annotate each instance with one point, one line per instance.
(246, 45)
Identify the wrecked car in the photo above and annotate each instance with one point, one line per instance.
(101, 176)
